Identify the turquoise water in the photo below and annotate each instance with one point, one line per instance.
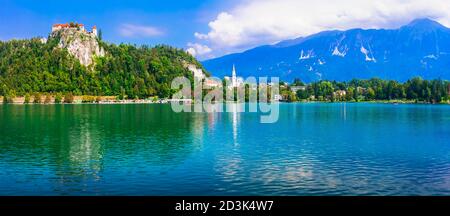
(314, 149)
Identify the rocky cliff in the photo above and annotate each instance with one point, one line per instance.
(82, 45)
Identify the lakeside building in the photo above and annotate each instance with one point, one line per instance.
(235, 81)
(340, 93)
(212, 83)
(295, 89)
(361, 90)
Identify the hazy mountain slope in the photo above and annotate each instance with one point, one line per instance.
(421, 48)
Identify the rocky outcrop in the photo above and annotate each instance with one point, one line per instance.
(80, 44)
(196, 72)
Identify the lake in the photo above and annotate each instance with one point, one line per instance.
(146, 149)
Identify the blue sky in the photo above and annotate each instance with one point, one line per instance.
(136, 22)
(211, 28)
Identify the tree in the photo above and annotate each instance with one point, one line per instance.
(9, 98)
(303, 94)
(122, 94)
(58, 97)
(370, 93)
(68, 98)
(27, 98)
(48, 98)
(37, 97)
(100, 34)
(88, 99)
(431, 91)
(325, 89)
(356, 95)
(297, 82)
(350, 94)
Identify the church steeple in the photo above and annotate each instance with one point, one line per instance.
(233, 77)
(233, 74)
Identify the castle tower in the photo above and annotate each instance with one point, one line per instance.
(81, 27)
(94, 31)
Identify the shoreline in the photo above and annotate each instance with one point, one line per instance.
(113, 100)
(127, 102)
(373, 102)
(84, 99)
(92, 103)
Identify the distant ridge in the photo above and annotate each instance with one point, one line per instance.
(420, 48)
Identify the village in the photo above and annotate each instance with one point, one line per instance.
(85, 49)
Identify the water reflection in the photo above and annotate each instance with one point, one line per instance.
(235, 109)
(75, 142)
(344, 110)
(314, 149)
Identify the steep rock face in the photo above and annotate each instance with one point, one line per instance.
(196, 72)
(80, 44)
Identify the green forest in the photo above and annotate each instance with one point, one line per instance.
(414, 90)
(31, 66)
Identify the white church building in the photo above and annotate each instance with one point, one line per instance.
(235, 81)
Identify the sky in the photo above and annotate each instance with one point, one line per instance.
(212, 28)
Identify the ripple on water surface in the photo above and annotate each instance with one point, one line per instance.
(314, 149)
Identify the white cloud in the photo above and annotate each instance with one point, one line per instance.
(196, 49)
(200, 36)
(131, 30)
(256, 22)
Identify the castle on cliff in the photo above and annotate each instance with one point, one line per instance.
(77, 26)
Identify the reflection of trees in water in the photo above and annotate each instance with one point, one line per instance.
(153, 133)
(79, 141)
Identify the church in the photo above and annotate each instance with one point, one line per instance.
(235, 81)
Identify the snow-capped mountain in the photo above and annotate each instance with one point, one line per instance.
(421, 48)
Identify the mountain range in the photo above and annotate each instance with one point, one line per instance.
(421, 48)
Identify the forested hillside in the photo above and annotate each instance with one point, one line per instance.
(35, 65)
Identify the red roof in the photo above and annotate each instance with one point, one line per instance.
(61, 25)
(65, 25)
